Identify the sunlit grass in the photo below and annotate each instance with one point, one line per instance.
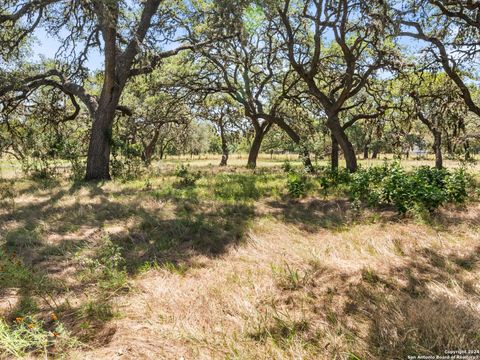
(231, 266)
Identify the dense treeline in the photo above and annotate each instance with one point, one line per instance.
(316, 77)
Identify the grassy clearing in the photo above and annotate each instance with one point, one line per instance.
(230, 267)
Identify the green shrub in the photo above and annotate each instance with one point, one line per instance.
(125, 168)
(456, 186)
(330, 178)
(296, 184)
(422, 190)
(287, 166)
(107, 268)
(187, 178)
(8, 193)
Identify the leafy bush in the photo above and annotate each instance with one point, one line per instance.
(296, 184)
(187, 178)
(456, 186)
(126, 168)
(126, 160)
(8, 194)
(424, 189)
(39, 168)
(287, 166)
(330, 178)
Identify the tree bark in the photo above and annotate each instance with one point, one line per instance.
(437, 136)
(334, 153)
(375, 152)
(348, 152)
(256, 144)
(304, 153)
(224, 160)
(365, 152)
(437, 148)
(149, 149)
(98, 157)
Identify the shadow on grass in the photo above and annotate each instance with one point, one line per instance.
(312, 214)
(181, 226)
(51, 241)
(425, 306)
(434, 310)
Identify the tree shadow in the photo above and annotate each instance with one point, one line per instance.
(312, 215)
(51, 240)
(425, 304)
(434, 310)
(194, 229)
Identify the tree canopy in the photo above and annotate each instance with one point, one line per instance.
(313, 76)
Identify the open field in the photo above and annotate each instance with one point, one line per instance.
(346, 225)
(230, 268)
(10, 168)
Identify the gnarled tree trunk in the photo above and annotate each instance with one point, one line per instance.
(260, 132)
(365, 152)
(305, 154)
(224, 160)
(98, 156)
(348, 152)
(149, 149)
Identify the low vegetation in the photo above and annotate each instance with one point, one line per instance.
(205, 262)
(254, 179)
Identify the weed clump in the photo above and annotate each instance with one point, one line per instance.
(26, 335)
(187, 177)
(107, 268)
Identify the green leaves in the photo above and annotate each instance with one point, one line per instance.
(425, 188)
(253, 17)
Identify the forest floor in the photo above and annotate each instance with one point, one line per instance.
(230, 268)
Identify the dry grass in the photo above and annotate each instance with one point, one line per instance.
(262, 277)
(367, 292)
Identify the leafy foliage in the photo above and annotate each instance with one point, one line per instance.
(187, 177)
(424, 188)
(297, 184)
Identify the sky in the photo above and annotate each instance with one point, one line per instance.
(47, 46)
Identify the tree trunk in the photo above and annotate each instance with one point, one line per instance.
(334, 154)
(98, 157)
(365, 152)
(437, 148)
(466, 147)
(304, 153)
(149, 149)
(307, 162)
(375, 152)
(256, 144)
(348, 152)
(224, 160)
